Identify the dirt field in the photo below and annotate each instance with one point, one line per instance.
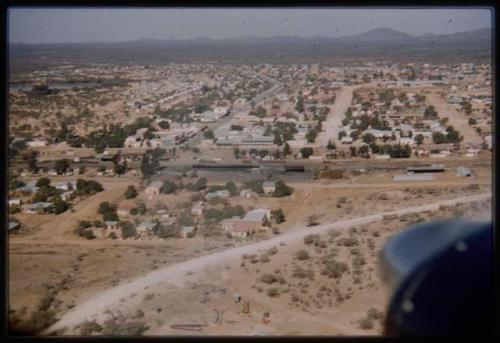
(50, 254)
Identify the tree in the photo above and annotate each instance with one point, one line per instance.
(128, 229)
(306, 152)
(472, 121)
(364, 151)
(231, 187)
(282, 189)
(121, 168)
(43, 182)
(430, 112)
(286, 149)
(299, 107)
(368, 138)
(277, 139)
(165, 125)
(419, 139)
(342, 134)
(62, 166)
(168, 187)
(131, 192)
(331, 145)
(278, 215)
(59, 205)
(208, 134)
(311, 135)
(201, 184)
(353, 151)
(438, 138)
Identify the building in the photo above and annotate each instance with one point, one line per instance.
(413, 177)
(224, 193)
(197, 209)
(153, 189)
(35, 208)
(260, 215)
(14, 226)
(111, 225)
(146, 227)
(37, 143)
(188, 231)
(124, 207)
(239, 228)
(66, 186)
(15, 201)
(269, 186)
(463, 172)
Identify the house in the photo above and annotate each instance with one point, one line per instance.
(36, 143)
(66, 195)
(463, 172)
(153, 189)
(28, 188)
(36, 207)
(14, 226)
(146, 227)
(66, 186)
(224, 193)
(124, 207)
(15, 201)
(269, 186)
(243, 229)
(260, 215)
(188, 231)
(247, 193)
(197, 208)
(111, 225)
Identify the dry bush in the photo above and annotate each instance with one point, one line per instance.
(310, 239)
(333, 269)
(264, 258)
(374, 314)
(302, 273)
(302, 255)
(365, 324)
(89, 327)
(273, 292)
(347, 241)
(268, 278)
(272, 251)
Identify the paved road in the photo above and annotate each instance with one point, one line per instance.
(176, 273)
(458, 120)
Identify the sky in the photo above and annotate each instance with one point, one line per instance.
(56, 25)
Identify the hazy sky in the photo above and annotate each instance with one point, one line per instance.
(48, 25)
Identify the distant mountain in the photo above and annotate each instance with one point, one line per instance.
(379, 34)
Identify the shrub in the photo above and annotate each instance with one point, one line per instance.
(333, 269)
(87, 328)
(131, 192)
(366, 324)
(302, 255)
(309, 239)
(272, 251)
(302, 273)
(374, 314)
(88, 234)
(347, 241)
(273, 292)
(268, 278)
(264, 258)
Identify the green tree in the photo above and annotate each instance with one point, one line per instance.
(131, 192)
(208, 134)
(419, 139)
(278, 215)
(368, 138)
(168, 187)
(282, 189)
(306, 152)
(61, 166)
(286, 149)
(128, 229)
(331, 145)
(43, 182)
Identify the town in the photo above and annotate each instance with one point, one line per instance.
(117, 170)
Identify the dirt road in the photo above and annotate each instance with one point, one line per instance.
(176, 273)
(457, 119)
(331, 127)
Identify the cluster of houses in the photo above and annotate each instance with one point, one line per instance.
(65, 187)
(253, 221)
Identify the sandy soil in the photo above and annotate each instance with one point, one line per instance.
(175, 274)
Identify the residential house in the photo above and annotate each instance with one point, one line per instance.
(188, 231)
(146, 227)
(153, 189)
(38, 207)
(124, 207)
(111, 225)
(224, 193)
(15, 201)
(269, 186)
(14, 226)
(260, 215)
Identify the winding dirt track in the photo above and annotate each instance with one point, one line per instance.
(101, 301)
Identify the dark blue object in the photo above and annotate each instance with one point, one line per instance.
(442, 273)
